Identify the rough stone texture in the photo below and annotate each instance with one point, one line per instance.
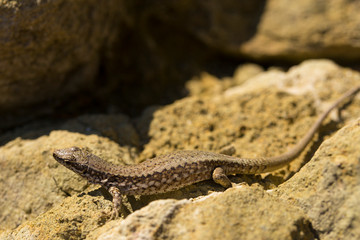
(56, 53)
(264, 116)
(145, 224)
(328, 187)
(256, 29)
(313, 29)
(50, 49)
(32, 183)
(207, 84)
(252, 112)
(230, 215)
(74, 218)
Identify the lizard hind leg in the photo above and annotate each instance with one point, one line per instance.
(117, 202)
(220, 177)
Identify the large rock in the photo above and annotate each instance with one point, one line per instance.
(49, 50)
(229, 215)
(31, 182)
(327, 188)
(132, 53)
(265, 30)
(298, 30)
(264, 116)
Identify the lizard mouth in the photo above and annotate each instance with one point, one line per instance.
(67, 158)
(57, 155)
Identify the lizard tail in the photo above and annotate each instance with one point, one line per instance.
(277, 162)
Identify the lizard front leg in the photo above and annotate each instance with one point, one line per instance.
(117, 201)
(220, 177)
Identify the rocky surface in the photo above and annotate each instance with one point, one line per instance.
(314, 197)
(50, 49)
(327, 188)
(315, 30)
(82, 53)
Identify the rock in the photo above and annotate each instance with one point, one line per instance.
(327, 188)
(145, 224)
(31, 182)
(50, 49)
(85, 54)
(238, 213)
(245, 72)
(43, 198)
(207, 84)
(256, 29)
(74, 218)
(313, 30)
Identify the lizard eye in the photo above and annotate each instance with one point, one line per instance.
(74, 149)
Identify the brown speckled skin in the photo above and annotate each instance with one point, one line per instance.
(161, 174)
(178, 169)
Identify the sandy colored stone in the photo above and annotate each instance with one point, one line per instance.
(263, 121)
(74, 218)
(50, 49)
(132, 55)
(207, 84)
(313, 30)
(238, 213)
(274, 30)
(247, 118)
(246, 71)
(31, 182)
(147, 223)
(328, 187)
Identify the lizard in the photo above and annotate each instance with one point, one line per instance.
(177, 169)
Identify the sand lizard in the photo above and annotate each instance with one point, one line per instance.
(177, 169)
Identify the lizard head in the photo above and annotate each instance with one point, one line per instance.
(82, 162)
(74, 158)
